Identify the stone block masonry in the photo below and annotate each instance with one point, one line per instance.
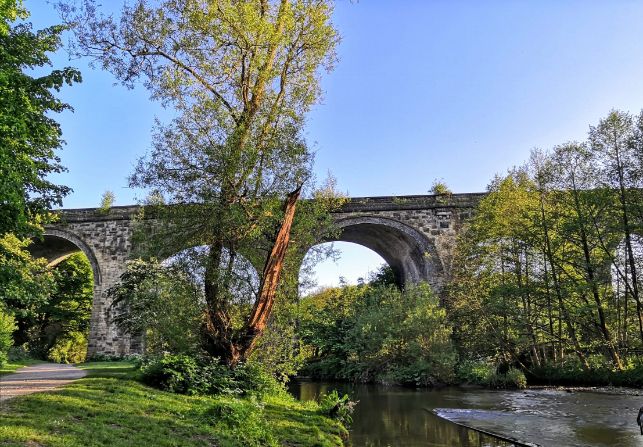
(416, 236)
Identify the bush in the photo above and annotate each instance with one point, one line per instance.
(187, 375)
(484, 373)
(337, 407)
(175, 373)
(478, 372)
(161, 302)
(69, 348)
(19, 353)
(513, 379)
(254, 380)
(7, 326)
(601, 372)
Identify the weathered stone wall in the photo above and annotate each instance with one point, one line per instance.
(106, 241)
(415, 234)
(438, 218)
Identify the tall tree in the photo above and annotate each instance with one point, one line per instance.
(584, 206)
(543, 173)
(29, 137)
(241, 77)
(614, 142)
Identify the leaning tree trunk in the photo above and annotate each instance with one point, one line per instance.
(223, 341)
(270, 280)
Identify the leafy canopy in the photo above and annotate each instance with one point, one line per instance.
(29, 137)
(240, 77)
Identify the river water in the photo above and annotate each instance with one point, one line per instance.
(392, 416)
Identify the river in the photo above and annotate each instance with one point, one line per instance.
(394, 416)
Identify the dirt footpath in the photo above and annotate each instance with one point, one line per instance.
(38, 378)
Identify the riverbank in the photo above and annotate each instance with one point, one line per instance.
(110, 407)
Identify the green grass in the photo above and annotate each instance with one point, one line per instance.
(110, 408)
(9, 368)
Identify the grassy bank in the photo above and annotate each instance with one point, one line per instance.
(111, 408)
(11, 367)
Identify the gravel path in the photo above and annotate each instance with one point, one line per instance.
(37, 378)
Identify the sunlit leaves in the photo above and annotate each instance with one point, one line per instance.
(29, 137)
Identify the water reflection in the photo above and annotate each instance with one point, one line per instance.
(398, 417)
(387, 416)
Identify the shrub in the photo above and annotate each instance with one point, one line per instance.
(7, 326)
(337, 407)
(19, 353)
(175, 373)
(513, 379)
(187, 375)
(378, 334)
(106, 202)
(601, 372)
(161, 302)
(254, 380)
(69, 348)
(478, 372)
(483, 372)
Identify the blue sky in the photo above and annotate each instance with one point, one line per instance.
(457, 90)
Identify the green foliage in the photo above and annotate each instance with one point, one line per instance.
(106, 202)
(485, 373)
(279, 350)
(163, 302)
(439, 187)
(67, 311)
(378, 333)
(477, 372)
(337, 407)
(7, 326)
(25, 283)
(514, 378)
(69, 348)
(174, 373)
(240, 78)
(602, 372)
(10, 10)
(187, 375)
(29, 136)
(253, 380)
(246, 419)
(384, 276)
(549, 267)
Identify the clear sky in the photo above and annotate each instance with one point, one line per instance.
(456, 90)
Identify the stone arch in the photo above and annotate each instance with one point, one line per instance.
(56, 245)
(411, 255)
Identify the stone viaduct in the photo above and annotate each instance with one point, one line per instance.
(414, 234)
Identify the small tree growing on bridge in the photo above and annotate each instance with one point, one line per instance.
(241, 76)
